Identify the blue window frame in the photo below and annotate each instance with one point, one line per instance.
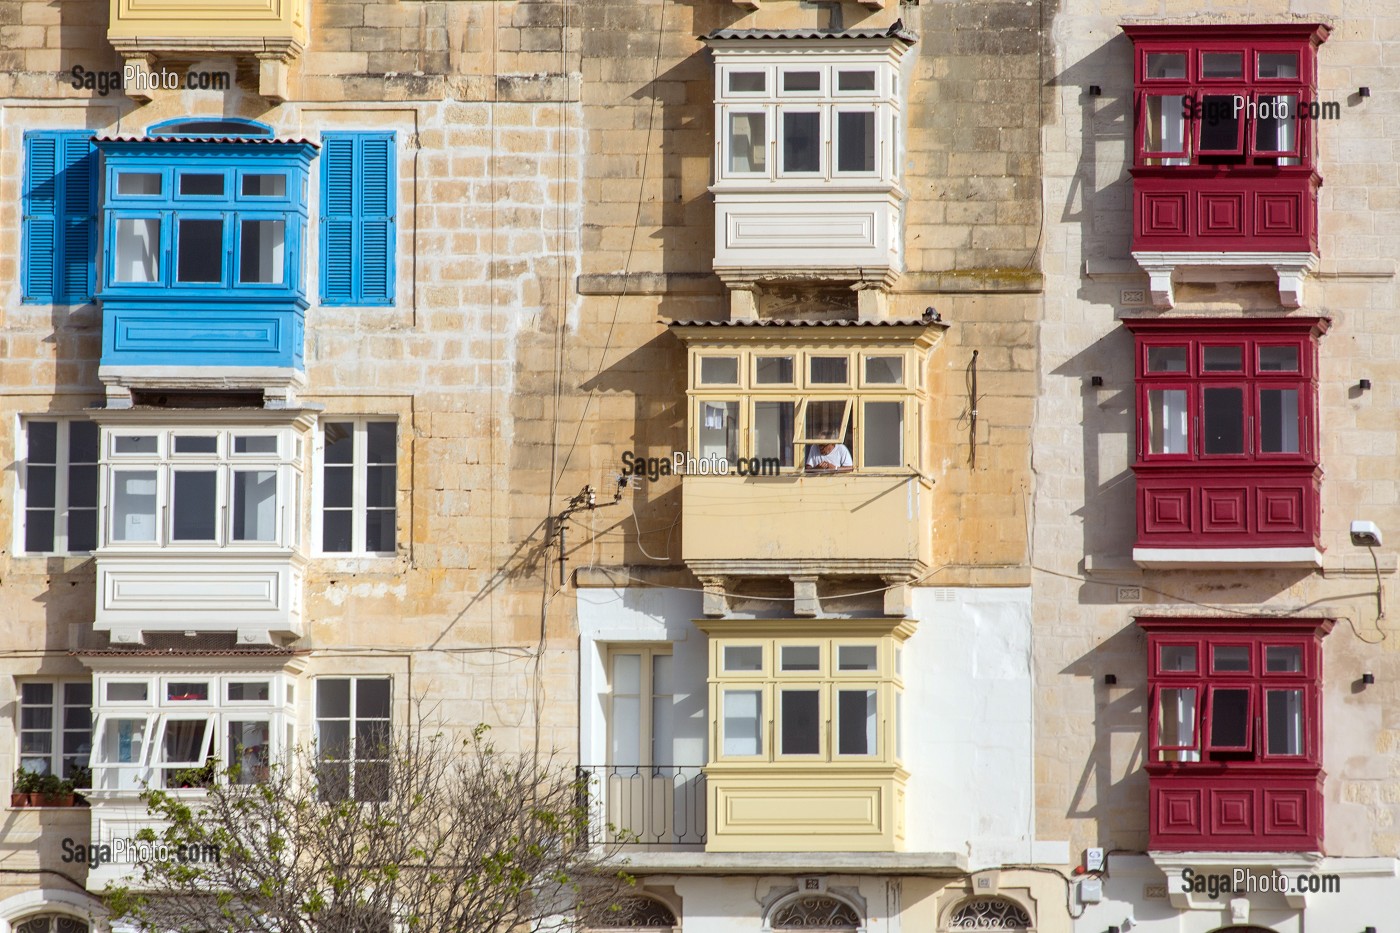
(59, 216)
(357, 219)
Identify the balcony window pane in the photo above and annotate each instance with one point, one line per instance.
(1278, 64)
(719, 431)
(1222, 359)
(1222, 65)
(802, 81)
(194, 505)
(801, 133)
(884, 370)
(856, 658)
(800, 722)
(247, 691)
(1278, 421)
(185, 444)
(773, 431)
(855, 141)
(1285, 714)
(1166, 421)
(743, 713)
(1178, 657)
(138, 183)
(1166, 65)
(261, 251)
(264, 186)
(256, 444)
(828, 370)
(1276, 123)
(855, 80)
(136, 257)
(884, 434)
(719, 370)
(773, 370)
(1224, 420)
(135, 444)
(801, 658)
(248, 750)
(1220, 123)
(1166, 359)
(201, 185)
(134, 505)
(126, 693)
(1176, 724)
(1283, 659)
(187, 691)
(123, 741)
(255, 505)
(748, 82)
(856, 721)
(1229, 719)
(1278, 359)
(748, 143)
(201, 251)
(1164, 126)
(1229, 658)
(743, 657)
(825, 420)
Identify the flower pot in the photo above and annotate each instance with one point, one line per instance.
(54, 800)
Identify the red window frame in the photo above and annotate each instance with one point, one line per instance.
(1251, 42)
(1196, 335)
(1207, 753)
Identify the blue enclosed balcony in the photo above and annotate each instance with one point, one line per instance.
(201, 276)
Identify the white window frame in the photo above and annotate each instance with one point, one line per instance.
(56, 730)
(351, 752)
(646, 703)
(61, 476)
(359, 484)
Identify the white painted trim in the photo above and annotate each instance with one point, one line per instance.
(1290, 269)
(1157, 558)
(52, 901)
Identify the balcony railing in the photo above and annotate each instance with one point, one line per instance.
(655, 806)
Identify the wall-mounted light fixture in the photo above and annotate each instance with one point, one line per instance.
(1363, 92)
(1095, 90)
(1364, 385)
(1096, 381)
(1368, 678)
(1110, 679)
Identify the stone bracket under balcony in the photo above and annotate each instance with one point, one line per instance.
(1290, 864)
(1289, 270)
(257, 595)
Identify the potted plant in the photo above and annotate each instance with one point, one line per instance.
(26, 786)
(54, 792)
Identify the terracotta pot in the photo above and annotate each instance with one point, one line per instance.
(51, 800)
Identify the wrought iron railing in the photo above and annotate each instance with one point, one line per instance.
(657, 806)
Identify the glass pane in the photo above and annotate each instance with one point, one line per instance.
(1177, 657)
(1222, 65)
(372, 698)
(194, 505)
(202, 185)
(1278, 64)
(380, 485)
(627, 674)
(773, 431)
(255, 505)
(123, 741)
(126, 693)
(1166, 65)
(1224, 420)
(187, 690)
(743, 657)
(1275, 122)
(802, 81)
(800, 722)
(261, 251)
(1176, 723)
(201, 251)
(743, 710)
(1222, 359)
(1285, 715)
(884, 370)
(1283, 659)
(1166, 359)
(1164, 124)
(719, 370)
(1278, 421)
(82, 442)
(1224, 658)
(662, 675)
(1278, 359)
(333, 698)
(381, 444)
(801, 133)
(748, 142)
(1166, 421)
(663, 741)
(855, 80)
(39, 529)
(719, 431)
(41, 482)
(884, 434)
(626, 727)
(773, 370)
(1229, 718)
(134, 444)
(247, 750)
(138, 183)
(196, 445)
(828, 370)
(855, 141)
(258, 444)
(136, 258)
(856, 657)
(336, 531)
(801, 658)
(825, 420)
(380, 532)
(184, 741)
(249, 691)
(134, 505)
(43, 442)
(264, 186)
(856, 720)
(1220, 123)
(747, 82)
(340, 445)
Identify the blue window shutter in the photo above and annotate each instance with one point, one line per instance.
(357, 219)
(59, 209)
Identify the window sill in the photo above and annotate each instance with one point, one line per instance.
(1159, 558)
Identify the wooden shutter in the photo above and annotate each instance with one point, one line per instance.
(58, 217)
(357, 219)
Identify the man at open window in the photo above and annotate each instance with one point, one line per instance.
(829, 457)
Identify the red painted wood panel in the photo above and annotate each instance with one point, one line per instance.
(1257, 811)
(1245, 506)
(1225, 209)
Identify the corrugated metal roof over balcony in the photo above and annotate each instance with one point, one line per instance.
(895, 30)
(806, 322)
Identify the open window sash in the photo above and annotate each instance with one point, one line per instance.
(121, 751)
(1219, 122)
(183, 743)
(1175, 724)
(824, 421)
(1275, 125)
(1230, 719)
(1162, 133)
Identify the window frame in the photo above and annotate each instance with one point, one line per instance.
(359, 485)
(352, 758)
(646, 700)
(62, 507)
(58, 706)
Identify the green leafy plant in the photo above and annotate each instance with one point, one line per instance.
(27, 782)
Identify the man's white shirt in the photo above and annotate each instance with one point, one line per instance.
(839, 458)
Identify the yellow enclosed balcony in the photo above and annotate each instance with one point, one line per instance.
(271, 32)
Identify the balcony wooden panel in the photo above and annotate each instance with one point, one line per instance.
(770, 808)
(1242, 811)
(1210, 209)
